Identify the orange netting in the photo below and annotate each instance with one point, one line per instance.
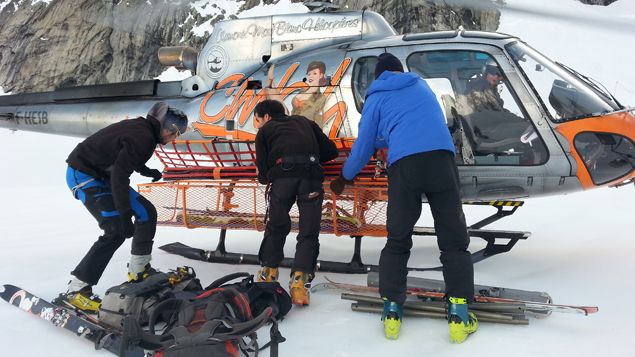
(224, 159)
(240, 204)
(213, 184)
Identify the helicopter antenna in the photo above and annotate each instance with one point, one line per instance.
(321, 6)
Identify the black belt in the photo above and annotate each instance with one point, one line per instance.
(298, 160)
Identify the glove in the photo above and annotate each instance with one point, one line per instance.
(154, 174)
(127, 227)
(337, 185)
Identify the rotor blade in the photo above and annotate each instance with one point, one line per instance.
(606, 22)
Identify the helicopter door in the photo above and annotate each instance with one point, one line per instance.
(487, 121)
(356, 81)
(502, 150)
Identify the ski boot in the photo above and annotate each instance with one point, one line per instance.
(461, 322)
(140, 276)
(393, 313)
(267, 274)
(83, 300)
(299, 288)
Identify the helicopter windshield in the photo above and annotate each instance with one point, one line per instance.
(563, 93)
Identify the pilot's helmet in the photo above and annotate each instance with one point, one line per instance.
(170, 118)
(491, 67)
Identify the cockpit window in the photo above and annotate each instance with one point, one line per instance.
(606, 156)
(562, 93)
(363, 75)
(487, 121)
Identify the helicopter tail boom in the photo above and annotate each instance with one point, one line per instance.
(80, 111)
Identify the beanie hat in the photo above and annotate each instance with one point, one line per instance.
(387, 62)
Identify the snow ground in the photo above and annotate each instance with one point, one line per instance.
(580, 250)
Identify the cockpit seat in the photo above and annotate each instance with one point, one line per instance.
(490, 131)
(493, 132)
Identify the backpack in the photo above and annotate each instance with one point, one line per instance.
(139, 299)
(220, 320)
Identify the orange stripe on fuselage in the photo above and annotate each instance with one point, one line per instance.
(211, 130)
(621, 124)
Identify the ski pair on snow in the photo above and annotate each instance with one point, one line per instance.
(536, 306)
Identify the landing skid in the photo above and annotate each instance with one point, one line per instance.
(356, 266)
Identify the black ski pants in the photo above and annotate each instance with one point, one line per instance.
(283, 193)
(98, 200)
(434, 174)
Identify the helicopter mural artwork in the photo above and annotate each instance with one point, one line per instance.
(523, 125)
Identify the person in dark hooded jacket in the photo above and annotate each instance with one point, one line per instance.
(402, 113)
(98, 174)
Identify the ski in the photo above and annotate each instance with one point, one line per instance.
(537, 306)
(486, 290)
(82, 325)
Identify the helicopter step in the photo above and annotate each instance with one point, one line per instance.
(503, 209)
(356, 266)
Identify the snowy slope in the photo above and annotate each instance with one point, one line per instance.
(580, 250)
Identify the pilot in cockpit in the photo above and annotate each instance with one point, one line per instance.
(483, 89)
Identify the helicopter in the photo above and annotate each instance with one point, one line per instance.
(548, 130)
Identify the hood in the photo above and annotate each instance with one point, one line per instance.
(156, 117)
(388, 81)
(158, 112)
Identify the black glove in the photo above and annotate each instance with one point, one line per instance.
(337, 185)
(127, 227)
(154, 173)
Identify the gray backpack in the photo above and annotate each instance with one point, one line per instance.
(139, 299)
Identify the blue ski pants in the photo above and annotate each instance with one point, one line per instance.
(96, 195)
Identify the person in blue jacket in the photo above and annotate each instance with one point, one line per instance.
(401, 113)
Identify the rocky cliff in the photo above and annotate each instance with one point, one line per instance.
(48, 44)
(598, 2)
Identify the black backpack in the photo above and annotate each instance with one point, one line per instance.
(220, 320)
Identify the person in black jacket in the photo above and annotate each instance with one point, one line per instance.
(98, 174)
(289, 150)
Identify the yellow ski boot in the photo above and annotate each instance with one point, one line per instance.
(393, 313)
(461, 322)
(82, 300)
(147, 271)
(267, 274)
(299, 288)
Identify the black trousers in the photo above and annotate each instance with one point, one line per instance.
(435, 175)
(283, 193)
(98, 200)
